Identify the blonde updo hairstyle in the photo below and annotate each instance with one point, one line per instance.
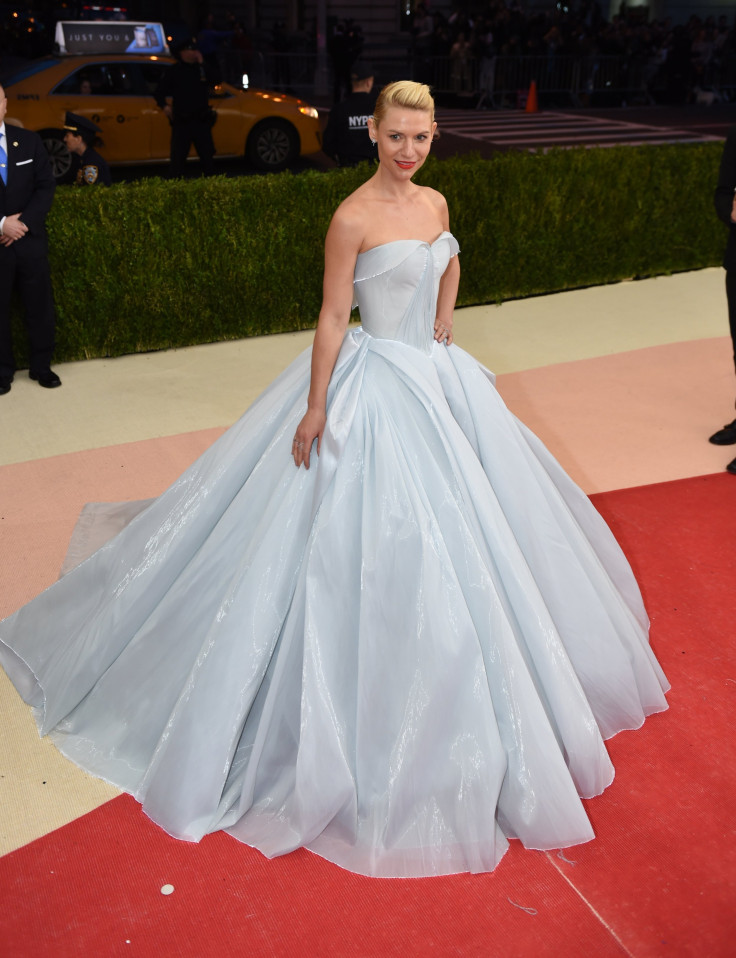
(406, 94)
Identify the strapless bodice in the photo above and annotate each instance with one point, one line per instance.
(396, 286)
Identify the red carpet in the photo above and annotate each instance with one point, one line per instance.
(659, 879)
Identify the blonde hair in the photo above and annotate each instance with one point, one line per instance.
(404, 93)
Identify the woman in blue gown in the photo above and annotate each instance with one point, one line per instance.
(399, 654)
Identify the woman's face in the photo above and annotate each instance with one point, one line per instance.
(74, 143)
(403, 139)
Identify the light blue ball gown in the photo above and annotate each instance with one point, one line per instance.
(398, 659)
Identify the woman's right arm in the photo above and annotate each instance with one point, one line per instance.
(342, 244)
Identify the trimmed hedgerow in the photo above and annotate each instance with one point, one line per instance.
(164, 263)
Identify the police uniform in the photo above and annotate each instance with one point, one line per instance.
(89, 169)
(346, 137)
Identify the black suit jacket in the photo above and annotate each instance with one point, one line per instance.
(30, 187)
(346, 134)
(724, 196)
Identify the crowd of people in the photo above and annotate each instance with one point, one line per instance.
(676, 58)
(506, 29)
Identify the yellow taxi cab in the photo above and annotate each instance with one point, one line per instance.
(116, 92)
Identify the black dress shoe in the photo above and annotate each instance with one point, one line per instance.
(725, 436)
(50, 380)
(5, 382)
(731, 467)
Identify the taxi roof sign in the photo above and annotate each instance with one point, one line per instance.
(106, 36)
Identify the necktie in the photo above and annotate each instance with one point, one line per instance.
(3, 165)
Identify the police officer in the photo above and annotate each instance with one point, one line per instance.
(88, 167)
(346, 137)
(189, 112)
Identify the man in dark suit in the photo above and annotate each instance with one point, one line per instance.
(185, 84)
(26, 192)
(725, 200)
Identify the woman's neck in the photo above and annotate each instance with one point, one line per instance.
(391, 188)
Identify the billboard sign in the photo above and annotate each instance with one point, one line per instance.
(104, 36)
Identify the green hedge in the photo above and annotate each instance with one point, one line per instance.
(163, 263)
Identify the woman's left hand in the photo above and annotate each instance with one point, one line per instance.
(443, 332)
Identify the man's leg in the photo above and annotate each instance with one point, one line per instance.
(7, 278)
(727, 435)
(731, 297)
(205, 147)
(34, 282)
(181, 140)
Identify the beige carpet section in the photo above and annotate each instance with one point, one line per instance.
(103, 402)
(598, 321)
(39, 789)
(109, 401)
(632, 418)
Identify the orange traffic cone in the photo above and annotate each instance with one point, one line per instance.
(532, 106)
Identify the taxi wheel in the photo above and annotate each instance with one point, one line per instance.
(272, 145)
(61, 158)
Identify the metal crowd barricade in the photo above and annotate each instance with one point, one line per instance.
(724, 77)
(284, 72)
(575, 80)
(619, 75)
(291, 72)
(235, 64)
(500, 82)
(511, 78)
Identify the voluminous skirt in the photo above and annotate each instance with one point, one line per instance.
(398, 659)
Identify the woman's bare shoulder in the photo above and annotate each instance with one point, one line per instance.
(348, 225)
(350, 218)
(435, 198)
(351, 207)
(437, 201)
